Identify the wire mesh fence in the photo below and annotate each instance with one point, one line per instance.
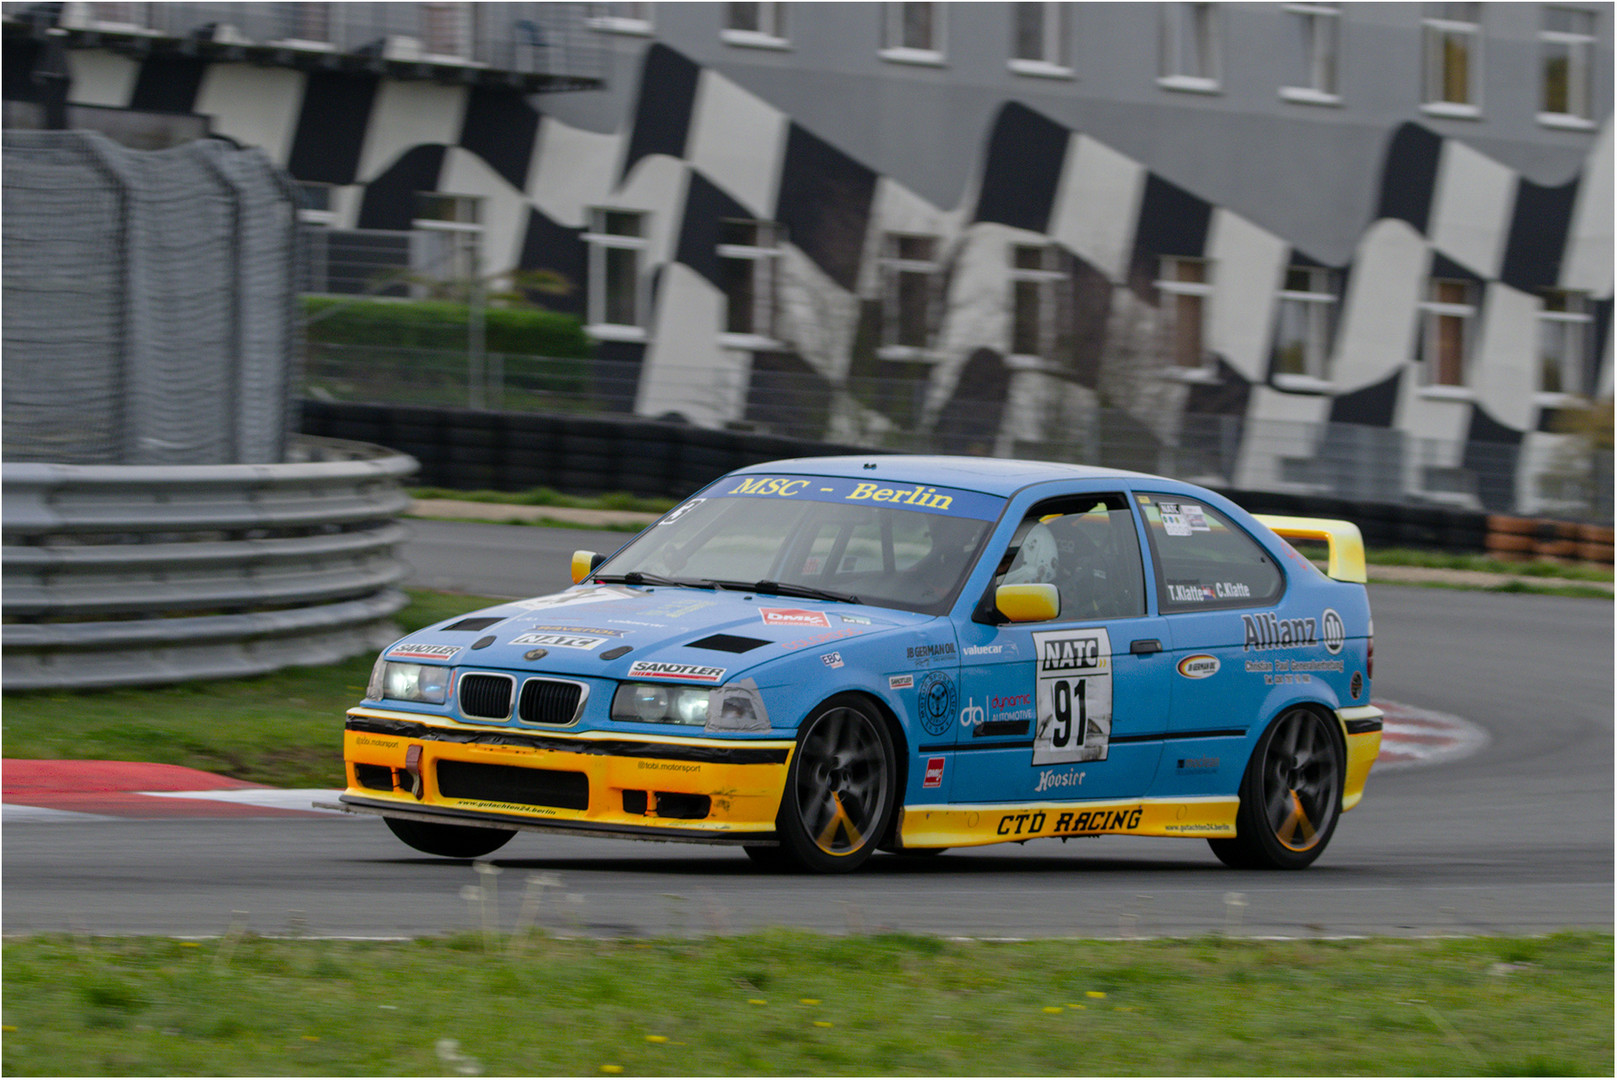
(148, 303)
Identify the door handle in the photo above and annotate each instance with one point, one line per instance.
(1145, 646)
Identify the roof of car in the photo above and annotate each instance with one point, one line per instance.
(995, 476)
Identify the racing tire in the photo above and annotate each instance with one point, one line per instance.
(449, 841)
(841, 791)
(1291, 796)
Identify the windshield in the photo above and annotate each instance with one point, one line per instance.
(885, 543)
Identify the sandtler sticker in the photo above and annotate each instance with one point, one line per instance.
(657, 669)
(900, 682)
(422, 651)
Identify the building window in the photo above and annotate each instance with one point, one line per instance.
(1448, 318)
(304, 23)
(1567, 45)
(1566, 339)
(755, 24)
(450, 238)
(910, 287)
(1317, 34)
(1041, 39)
(1190, 47)
(446, 30)
(1186, 286)
(1036, 301)
(1307, 320)
(622, 18)
(749, 257)
(913, 33)
(617, 245)
(1453, 45)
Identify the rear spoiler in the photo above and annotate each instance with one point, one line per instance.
(1346, 559)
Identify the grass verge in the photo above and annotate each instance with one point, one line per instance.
(283, 729)
(792, 1003)
(543, 496)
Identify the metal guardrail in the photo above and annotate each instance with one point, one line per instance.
(121, 575)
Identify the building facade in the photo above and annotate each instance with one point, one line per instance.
(1363, 249)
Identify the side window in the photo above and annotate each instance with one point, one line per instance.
(1086, 546)
(1203, 561)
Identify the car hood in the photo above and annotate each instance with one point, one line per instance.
(623, 632)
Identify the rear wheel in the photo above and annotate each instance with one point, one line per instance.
(450, 841)
(840, 792)
(1290, 796)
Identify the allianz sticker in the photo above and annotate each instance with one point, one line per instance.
(560, 641)
(1073, 696)
(900, 682)
(423, 651)
(657, 669)
(832, 660)
(1199, 666)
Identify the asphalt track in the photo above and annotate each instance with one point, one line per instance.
(1516, 838)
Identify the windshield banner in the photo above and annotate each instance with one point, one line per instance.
(860, 492)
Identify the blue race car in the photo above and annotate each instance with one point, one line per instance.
(820, 658)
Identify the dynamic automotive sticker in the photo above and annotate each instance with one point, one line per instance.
(1073, 696)
(421, 651)
(936, 699)
(794, 617)
(588, 630)
(657, 669)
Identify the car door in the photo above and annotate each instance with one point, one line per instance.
(1219, 591)
(1073, 708)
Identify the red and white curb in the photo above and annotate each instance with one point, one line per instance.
(88, 790)
(1413, 737)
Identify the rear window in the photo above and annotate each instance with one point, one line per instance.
(1203, 561)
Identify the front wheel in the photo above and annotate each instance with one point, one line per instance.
(450, 841)
(1290, 796)
(841, 792)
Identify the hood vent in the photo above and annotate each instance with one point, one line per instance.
(475, 624)
(729, 643)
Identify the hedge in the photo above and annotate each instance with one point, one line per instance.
(442, 324)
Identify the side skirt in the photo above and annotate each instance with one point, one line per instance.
(968, 825)
(446, 816)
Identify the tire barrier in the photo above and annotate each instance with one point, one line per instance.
(471, 449)
(123, 575)
(1523, 539)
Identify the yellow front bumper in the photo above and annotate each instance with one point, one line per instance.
(592, 782)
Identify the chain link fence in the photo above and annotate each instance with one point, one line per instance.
(149, 303)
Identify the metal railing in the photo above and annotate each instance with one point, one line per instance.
(551, 39)
(121, 575)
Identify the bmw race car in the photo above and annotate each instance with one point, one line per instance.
(818, 658)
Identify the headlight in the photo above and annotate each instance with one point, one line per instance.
(409, 682)
(648, 703)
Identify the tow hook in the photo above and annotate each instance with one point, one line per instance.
(412, 765)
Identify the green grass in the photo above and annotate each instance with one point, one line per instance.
(282, 729)
(1449, 560)
(543, 496)
(791, 1003)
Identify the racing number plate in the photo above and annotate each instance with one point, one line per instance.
(1074, 696)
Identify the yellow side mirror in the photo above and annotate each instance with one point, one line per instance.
(584, 562)
(1028, 603)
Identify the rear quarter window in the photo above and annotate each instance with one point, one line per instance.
(1203, 561)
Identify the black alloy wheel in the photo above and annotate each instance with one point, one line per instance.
(841, 791)
(1291, 796)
